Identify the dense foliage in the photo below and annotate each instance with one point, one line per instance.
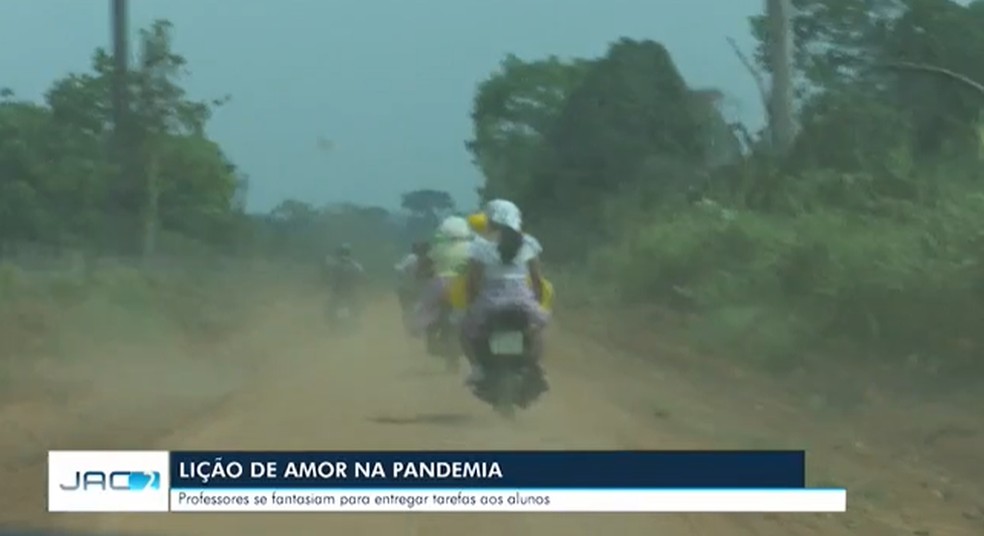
(866, 235)
(137, 232)
(63, 185)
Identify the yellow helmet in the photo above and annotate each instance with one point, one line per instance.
(479, 222)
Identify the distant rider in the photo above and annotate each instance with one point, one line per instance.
(500, 271)
(413, 272)
(344, 274)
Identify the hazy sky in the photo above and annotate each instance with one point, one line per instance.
(390, 82)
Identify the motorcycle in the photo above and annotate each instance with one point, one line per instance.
(442, 341)
(341, 313)
(513, 378)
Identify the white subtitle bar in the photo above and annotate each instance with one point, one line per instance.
(509, 500)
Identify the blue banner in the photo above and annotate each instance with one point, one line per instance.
(488, 469)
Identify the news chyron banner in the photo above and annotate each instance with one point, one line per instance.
(540, 481)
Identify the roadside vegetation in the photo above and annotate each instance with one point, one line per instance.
(856, 233)
(851, 225)
(155, 248)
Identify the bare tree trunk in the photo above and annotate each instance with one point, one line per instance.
(120, 209)
(934, 69)
(782, 112)
(751, 144)
(120, 55)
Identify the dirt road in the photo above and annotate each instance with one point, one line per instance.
(289, 386)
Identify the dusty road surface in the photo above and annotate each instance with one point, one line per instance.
(287, 385)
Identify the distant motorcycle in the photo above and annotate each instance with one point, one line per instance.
(341, 313)
(343, 277)
(513, 378)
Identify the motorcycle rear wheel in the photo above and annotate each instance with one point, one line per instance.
(506, 394)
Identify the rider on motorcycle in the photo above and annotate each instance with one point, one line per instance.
(503, 272)
(410, 271)
(448, 256)
(413, 272)
(344, 274)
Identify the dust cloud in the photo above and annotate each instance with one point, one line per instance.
(283, 382)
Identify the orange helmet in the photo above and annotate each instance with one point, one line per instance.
(479, 222)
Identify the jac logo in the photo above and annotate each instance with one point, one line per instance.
(113, 481)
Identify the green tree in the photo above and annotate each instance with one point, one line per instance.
(513, 111)
(171, 128)
(856, 46)
(945, 114)
(632, 115)
(57, 176)
(299, 231)
(22, 130)
(427, 203)
(53, 177)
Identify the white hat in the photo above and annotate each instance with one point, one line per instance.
(454, 228)
(505, 213)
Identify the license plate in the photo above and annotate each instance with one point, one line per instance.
(506, 343)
